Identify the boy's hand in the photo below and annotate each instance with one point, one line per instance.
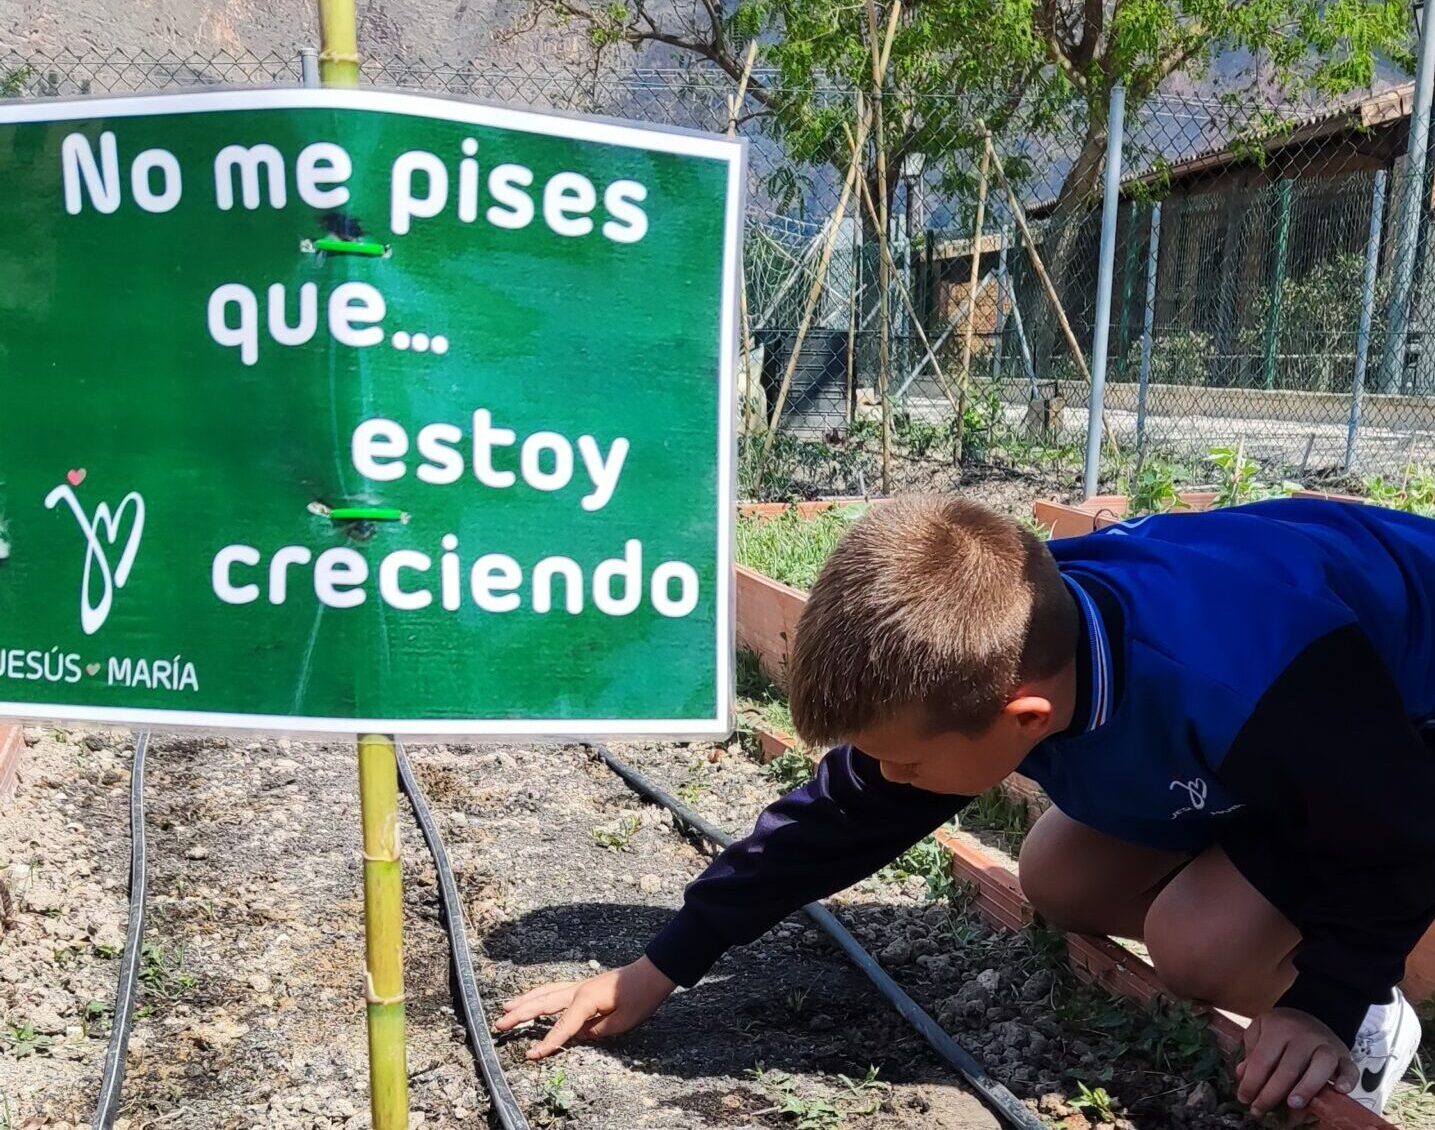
(1290, 1056)
(603, 1005)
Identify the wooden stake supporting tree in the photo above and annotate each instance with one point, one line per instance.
(1019, 214)
(972, 298)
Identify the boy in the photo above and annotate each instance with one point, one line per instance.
(1232, 712)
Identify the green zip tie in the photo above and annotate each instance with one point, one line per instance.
(351, 247)
(366, 514)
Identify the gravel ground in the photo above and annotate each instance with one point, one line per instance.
(251, 1008)
(1007, 998)
(251, 1004)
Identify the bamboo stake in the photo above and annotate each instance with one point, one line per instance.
(972, 290)
(904, 293)
(734, 107)
(813, 295)
(1032, 254)
(338, 43)
(378, 775)
(884, 265)
(383, 933)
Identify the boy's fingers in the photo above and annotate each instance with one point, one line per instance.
(1322, 1067)
(520, 1012)
(1347, 1075)
(569, 1024)
(540, 991)
(1259, 1063)
(1287, 1073)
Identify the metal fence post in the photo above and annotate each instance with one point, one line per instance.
(1407, 235)
(1148, 322)
(998, 341)
(308, 66)
(1367, 304)
(1115, 122)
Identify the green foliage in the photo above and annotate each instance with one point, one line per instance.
(1238, 482)
(12, 83)
(1414, 493)
(790, 548)
(163, 972)
(927, 859)
(1182, 358)
(759, 696)
(616, 837)
(1000, 815)
(1095, 1100)
(792, 770)
(22, 1040)
(557, 1096)
(1154, 490)
(797, 1110)
(95, 1014)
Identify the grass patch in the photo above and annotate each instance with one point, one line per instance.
(790, 548)
(759, 697)
(163, 973)
(1001, 816)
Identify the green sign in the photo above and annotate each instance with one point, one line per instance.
(356, 411)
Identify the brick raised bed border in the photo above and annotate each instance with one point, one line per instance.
(767, 613)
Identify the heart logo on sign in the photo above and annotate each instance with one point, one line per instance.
(92, 669)
(93, 614)
(76, 476)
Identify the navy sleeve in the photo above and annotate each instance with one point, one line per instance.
(1340, 785)
(843, 825)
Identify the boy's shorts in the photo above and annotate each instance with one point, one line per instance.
(1279, 871)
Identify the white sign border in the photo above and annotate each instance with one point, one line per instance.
(605, 131)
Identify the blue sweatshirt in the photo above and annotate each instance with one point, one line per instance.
(1262, 677)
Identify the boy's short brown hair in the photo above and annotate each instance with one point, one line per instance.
(929, 602)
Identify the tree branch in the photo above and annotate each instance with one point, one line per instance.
(1044, 20)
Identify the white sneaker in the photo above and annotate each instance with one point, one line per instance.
(1387, 1041)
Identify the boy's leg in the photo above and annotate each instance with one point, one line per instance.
(1084, 880)
(1211, 935)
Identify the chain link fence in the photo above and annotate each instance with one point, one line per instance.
(1261, 254)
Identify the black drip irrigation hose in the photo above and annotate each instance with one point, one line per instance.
(113, 1078)
(475, 1021)
(1001, 1100)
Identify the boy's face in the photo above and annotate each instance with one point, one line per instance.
(911, 753)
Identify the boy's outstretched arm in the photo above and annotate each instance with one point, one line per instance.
(843, 825)
(1339, 785)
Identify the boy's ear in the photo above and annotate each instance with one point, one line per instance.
(1032, 713)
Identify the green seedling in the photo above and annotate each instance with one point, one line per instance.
(798, 1111)
(869, 1087)
(23, 1040)
(163, 973)
(93, 1014)
(617, 838)
(695, 784)
(1094, 1100)
(558, 1097)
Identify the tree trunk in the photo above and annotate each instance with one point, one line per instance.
(1059, 243)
